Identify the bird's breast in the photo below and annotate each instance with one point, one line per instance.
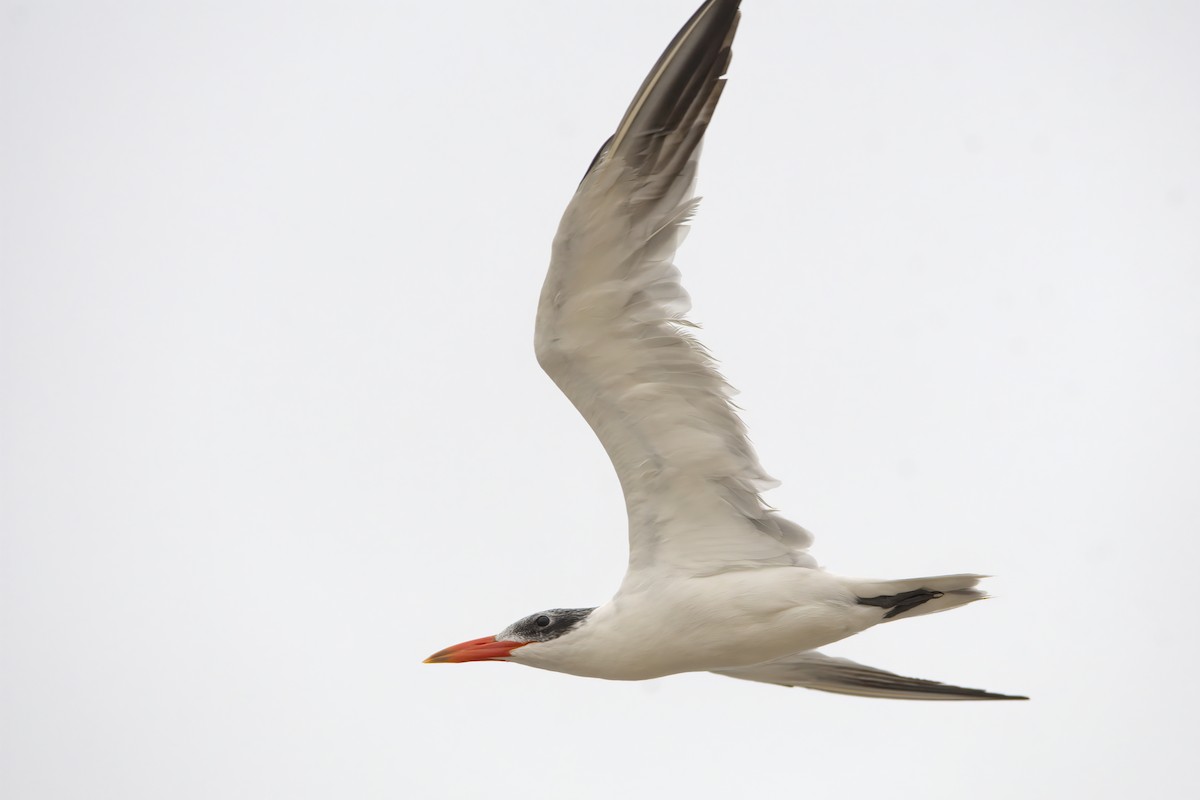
(697, 624)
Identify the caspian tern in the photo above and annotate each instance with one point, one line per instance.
(717, 581)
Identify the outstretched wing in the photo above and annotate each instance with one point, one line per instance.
(611, 330)
(814, 670)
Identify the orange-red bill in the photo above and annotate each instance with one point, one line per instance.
(484, 649)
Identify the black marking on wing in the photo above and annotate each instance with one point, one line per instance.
(899, 603)
(879, 680)
(672, 108)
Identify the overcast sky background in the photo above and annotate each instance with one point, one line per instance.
(272, 429)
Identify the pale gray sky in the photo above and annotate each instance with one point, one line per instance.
(272, 430)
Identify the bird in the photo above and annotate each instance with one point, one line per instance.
(717, 580)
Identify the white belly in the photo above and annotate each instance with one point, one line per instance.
(695, 624)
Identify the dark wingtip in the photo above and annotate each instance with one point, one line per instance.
(905, 688)
(899, 603)
(671, 110)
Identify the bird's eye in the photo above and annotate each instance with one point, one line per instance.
(542, 621)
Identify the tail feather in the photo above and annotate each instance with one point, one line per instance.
(882, 601)
(913, 597)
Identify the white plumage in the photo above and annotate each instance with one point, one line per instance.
(716, 580)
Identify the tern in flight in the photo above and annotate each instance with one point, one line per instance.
(717, 581)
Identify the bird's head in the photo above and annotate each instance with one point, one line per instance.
(544, 626)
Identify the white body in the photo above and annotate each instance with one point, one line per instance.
(717, 579)
(687, 624)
